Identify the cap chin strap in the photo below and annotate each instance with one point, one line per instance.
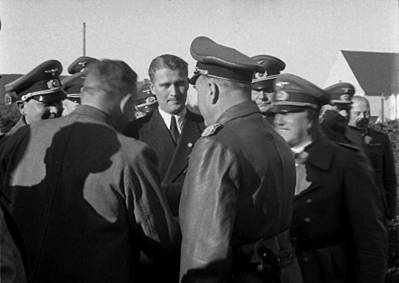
(149, 101)
(267, 78)
(295, 103)
(41, 92)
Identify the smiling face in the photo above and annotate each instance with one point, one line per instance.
(293, 127)
(34, 110)
(170, 87)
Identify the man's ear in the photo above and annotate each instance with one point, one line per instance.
(21, 107)
(124, 100)
(152, 88)
(214, 92)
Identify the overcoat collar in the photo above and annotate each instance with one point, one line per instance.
(92, 112)
(321, 153)
(239, 110)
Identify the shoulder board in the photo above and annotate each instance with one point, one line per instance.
(378, 132)
(210, 130)
(352, 147)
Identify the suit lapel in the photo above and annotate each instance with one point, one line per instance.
(191, 132)
(158, 137)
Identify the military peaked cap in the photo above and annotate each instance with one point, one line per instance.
(42, 83)
(293, 93)
(341, 93)
(218, 61)
(80, 64)
(146, 100)
(74, 83)
(273, 68)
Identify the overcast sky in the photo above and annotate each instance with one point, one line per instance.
(306, 34)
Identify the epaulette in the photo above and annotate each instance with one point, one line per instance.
(378, 131)
(210, 130)
(352, 147)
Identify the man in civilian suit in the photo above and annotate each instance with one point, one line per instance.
(172, 129)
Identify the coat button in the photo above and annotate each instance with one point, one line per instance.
(190, 144)
(309, 200)
(307, 220)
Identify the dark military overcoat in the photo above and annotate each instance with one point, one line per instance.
(339, 220)
(239, 189)
(380, 152)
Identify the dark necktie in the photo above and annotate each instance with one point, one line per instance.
(174, 131)
(300, 157)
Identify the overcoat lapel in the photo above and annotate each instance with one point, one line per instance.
(321, 154)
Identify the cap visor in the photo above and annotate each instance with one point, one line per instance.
(194, 79)
(57, 95)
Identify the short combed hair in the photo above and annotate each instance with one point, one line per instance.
(232, 85)
(168, 61)
(361, 98)
(112, 77)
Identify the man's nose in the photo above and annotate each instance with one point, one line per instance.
(173, 89)
(263, 94)
(343, 113)
(278, 120)
(56, 109)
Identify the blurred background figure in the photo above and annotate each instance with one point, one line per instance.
(73, 84)
(338, 218)
(262, 83)
(146, 101)
(335, 115)
(38, 94)
(379, 150)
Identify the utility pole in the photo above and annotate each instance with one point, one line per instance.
(382, 108)
(84, 39)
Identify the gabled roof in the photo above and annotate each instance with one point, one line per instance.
(376, 72)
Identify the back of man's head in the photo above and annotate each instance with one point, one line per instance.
(111, 77)
(168, 61)
(360, 99)
(111, 86)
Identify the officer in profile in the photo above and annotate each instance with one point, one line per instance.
(74, 83)
(335, 115)
(146, 101)
(379, 150)
(239, 169)
(262, 83)
(38, 94)
(338, 219)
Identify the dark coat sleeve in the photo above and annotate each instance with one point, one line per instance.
(369, 235)
(207, 212)
(149, 212)
(389, 178)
